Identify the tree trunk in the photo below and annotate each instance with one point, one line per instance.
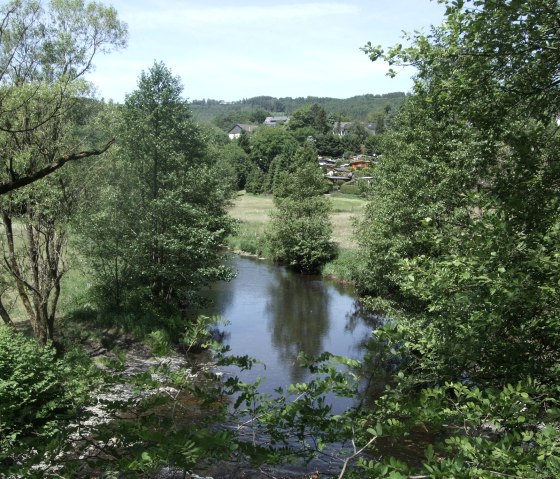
(5, 315)
(14, 269)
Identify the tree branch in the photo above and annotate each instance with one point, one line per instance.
(55, 165)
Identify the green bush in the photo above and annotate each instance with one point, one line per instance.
(39, 394)
(299, 234)
(343, 267)
(255, 181)
(350, 188)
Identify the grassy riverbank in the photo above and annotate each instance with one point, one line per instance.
(253, 213)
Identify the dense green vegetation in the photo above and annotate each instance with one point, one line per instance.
(155, 227)
(461, 241)
(300, 230)
(366, 108)
(458, 254)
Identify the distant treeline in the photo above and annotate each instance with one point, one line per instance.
(361, 107)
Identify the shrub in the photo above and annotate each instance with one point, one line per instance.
(39, 393)
(300, 233)
(343, 267)
(350, 188)
(255, 181)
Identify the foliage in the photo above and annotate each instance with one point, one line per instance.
(162, 214)
(311, 116)
(46, 51)
(299, 176)
(299, 233)
(40, 394)
(269, 142)
(461, 241)
(474, 217)
(255, 181)
(360, 107)
(232, 156)
(343, 267)
(330, 145)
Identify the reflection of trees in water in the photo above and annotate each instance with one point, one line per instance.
(375, 371)
(299, 319)
(360, 315)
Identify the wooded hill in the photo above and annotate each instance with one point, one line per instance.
(361, 107)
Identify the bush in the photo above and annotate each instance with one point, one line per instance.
(255, 181)
(39, 394)
(350, 188)
(344, 267)
(300, 233)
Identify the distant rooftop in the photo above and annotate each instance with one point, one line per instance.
(274, 120)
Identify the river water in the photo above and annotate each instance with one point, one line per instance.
(274, 314)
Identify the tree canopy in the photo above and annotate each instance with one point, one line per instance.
(461, 236)
(45, 51)
(170, 212)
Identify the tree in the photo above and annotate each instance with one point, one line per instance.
(312, 117)
(472, 157)
(300, 230)
(462, 237)
(234, 159)
(269, 142)
(258, 116)
(173, 217)
(35, 224)
(44, 55)
(330, 145)
(243, 142)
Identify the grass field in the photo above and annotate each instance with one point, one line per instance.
(253, 212)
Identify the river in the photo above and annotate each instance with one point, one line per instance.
(274, 314)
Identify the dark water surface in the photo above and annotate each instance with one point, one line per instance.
(274, 314)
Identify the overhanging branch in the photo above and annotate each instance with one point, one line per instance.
(47, 170)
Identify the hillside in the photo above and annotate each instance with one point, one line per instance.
(354, 108)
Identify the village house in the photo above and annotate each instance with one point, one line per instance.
(327, 162)
(361, 161)
(235, 132)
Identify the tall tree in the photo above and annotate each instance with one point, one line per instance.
(461, 239)
(44, 54)
(466, 207)
(175, 218)
(300, 230)
(311, 116)
(269, 142)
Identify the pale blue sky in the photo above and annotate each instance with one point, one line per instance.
(232, 50)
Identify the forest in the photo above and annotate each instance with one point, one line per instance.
(116, 217)
(364, 108)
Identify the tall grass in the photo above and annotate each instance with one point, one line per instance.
(344, 267)
(253, 214)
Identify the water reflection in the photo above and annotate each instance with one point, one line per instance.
(274, 314)
(298, 319)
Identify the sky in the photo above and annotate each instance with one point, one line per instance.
(230, 50)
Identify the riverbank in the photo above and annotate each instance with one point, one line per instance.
(253, 214)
